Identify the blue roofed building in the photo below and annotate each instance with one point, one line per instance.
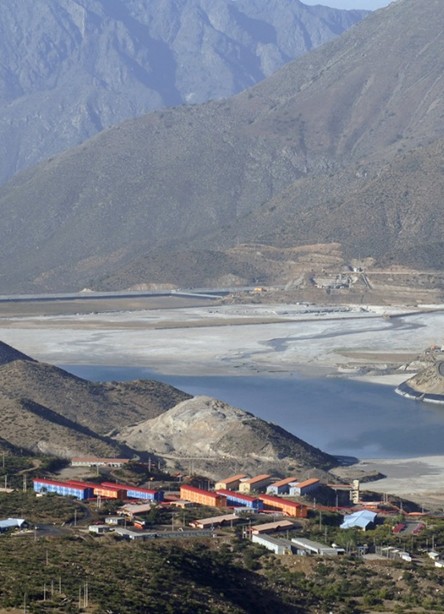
(361, 520)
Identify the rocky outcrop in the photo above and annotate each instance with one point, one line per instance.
(427, 385)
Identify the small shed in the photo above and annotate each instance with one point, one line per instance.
(114, 520)
(312, 547)
(12, 523)
(99, 529)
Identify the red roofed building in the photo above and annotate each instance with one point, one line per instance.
(291, 508)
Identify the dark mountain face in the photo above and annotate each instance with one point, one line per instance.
(341, 146)
(70, 68)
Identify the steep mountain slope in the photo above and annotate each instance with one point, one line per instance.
(27, 425)
(398, 200)
(216, 436)
(100, 407)
(71, 68)
(312, 154)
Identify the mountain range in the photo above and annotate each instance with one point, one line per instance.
(340, 149)
(46, 410)
(71, 68)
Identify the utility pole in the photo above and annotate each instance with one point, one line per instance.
(83, 596)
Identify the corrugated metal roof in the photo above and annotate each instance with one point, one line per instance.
(273, 526)
(284, 482)
(233, 478)
(279, 500)
(11, 523)
(358, 519)
(306, 483)
(257, 478)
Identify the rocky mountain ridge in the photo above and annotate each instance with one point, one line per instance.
(344, 139)
(71, 68)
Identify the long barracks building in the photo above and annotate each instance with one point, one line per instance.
(291, 508)
(72, 488)
(89, 490)
(236, 498)
(135, 492)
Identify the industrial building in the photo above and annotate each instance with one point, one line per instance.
(302, 488)
(72, 488)
(275, 544)
(231, 483)
(248, 485)
(312, 547)
(202, 497)
(281, 487)
(238, 499)
(361, 520)
(147, 535)
(290, 508)
(135, 492)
